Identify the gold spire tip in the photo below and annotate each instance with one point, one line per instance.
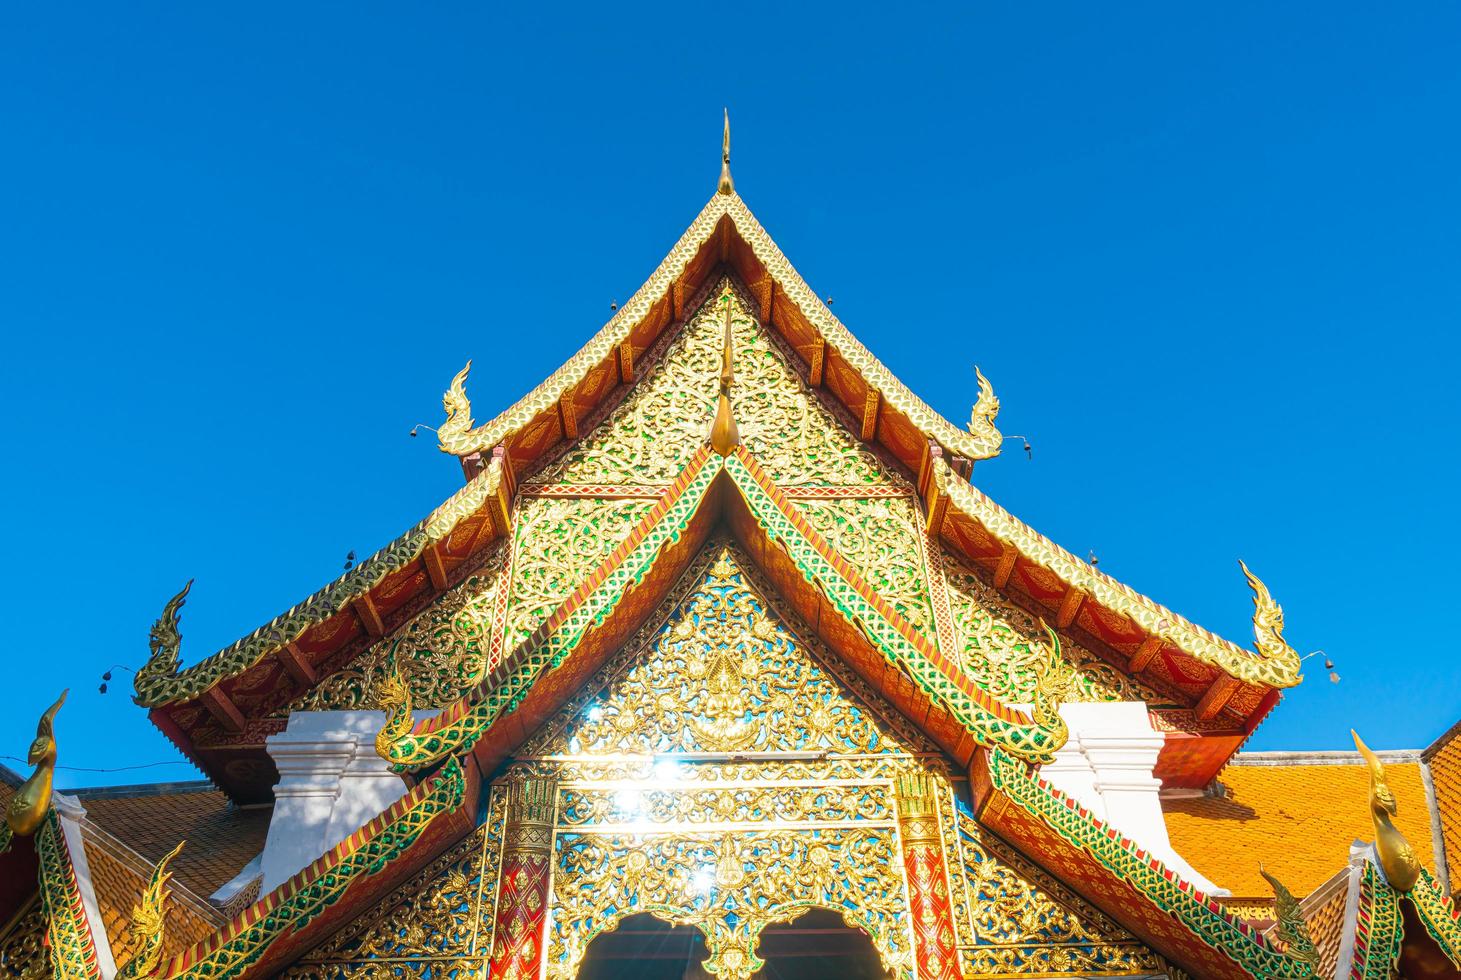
(727, 186)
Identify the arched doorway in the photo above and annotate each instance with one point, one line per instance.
(818, 946)
(645, 948)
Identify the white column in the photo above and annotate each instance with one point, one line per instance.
(1107, 765)
(331, 782)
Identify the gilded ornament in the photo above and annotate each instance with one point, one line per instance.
(1291, 927)
(726, 185)
(981, 417)
(32, 801)
(1152, 618)
(394, 696)
(458, 409)
(1397, 858)
(145, 930)
(165, 643)
(1050, 683)
(723, 434)
(1268, 627)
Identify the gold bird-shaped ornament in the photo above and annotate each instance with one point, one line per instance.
(1397, 857)
(31, 802)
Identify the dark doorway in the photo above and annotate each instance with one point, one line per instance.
(644, 948)
(818, 946)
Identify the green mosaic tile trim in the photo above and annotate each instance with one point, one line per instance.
(1029, 742)
(1159, 886)
(458, 730)
(73, 950)
(1438, 913)
(1378, 930)
(248, 942)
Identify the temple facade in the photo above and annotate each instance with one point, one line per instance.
(720, 664)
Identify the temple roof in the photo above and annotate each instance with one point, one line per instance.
(1298, 812)
(231, 695)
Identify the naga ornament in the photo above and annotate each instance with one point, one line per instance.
(1397, 858)
(458, 412)
(1050, 684)
(981, 418)
(394, 695)
(1268, 627)
(32, 801)
(165, 643)
(1291, 928)
(145, 931)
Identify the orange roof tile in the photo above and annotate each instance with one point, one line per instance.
(117, 879)
(1297, 818)
(1444, 757)
(150, 820)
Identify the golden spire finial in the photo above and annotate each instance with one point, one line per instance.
(146, 928)
(29, 805)
(727, 186)
(724, 436)
(1397, 858)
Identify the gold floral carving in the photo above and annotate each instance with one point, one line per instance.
(1001, 648)
(460, 438)
(725, 675)
(879, 537)
(1156, 620)
(1016, 927)
(442, 919)
(443, 652)
(647, 438)
(23, 953)
(730, 887)
(558, 542)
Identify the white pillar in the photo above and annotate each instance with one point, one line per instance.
(331, 782)
(1107, 766)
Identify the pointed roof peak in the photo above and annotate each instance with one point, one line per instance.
(727, 186)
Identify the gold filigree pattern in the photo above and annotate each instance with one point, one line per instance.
(557, 543)
(443, 652)
(441, 919)
(724, 676)
(880, 538)
(1017, 926)
(23, 946)
(723, 804)
(1001, 649)
(647, 438)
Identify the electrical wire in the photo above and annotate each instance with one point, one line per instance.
(145, 765)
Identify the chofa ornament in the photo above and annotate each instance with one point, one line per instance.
(32, 801)
(1397, 858)
(164, 642)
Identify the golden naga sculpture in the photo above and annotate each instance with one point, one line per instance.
(981, 418)
(32, 801)
(145, 931)
(1397, 858)
(393, 695)
(1050, 685)
(165, 642)
(724, 436)
(1268, 627)
(727, 186)
(458, 412)
(1291, 928)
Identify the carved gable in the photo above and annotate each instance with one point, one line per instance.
(647, 438)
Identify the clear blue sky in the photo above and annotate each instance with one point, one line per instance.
(1209, 258)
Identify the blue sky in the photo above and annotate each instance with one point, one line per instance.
(1208, 256)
